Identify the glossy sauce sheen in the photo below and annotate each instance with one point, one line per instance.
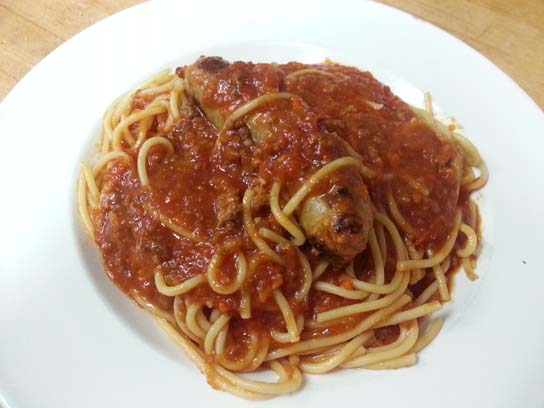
(201, 186)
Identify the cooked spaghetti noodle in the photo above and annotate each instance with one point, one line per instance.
(296, 218)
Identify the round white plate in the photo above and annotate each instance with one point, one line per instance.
(69, 338)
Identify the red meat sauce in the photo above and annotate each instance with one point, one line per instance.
(185, 188)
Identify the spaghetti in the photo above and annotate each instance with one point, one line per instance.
(264, 225)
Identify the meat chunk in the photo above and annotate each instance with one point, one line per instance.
(219, 87)
(288, 147)
(228, 207)
(334, 225)
(196, 82)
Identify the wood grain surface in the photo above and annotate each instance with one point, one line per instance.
(509, 32)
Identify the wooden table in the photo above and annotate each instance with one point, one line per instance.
(509, 32)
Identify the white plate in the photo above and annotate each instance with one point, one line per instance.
(69, 338)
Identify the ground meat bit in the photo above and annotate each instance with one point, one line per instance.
(228, 208)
